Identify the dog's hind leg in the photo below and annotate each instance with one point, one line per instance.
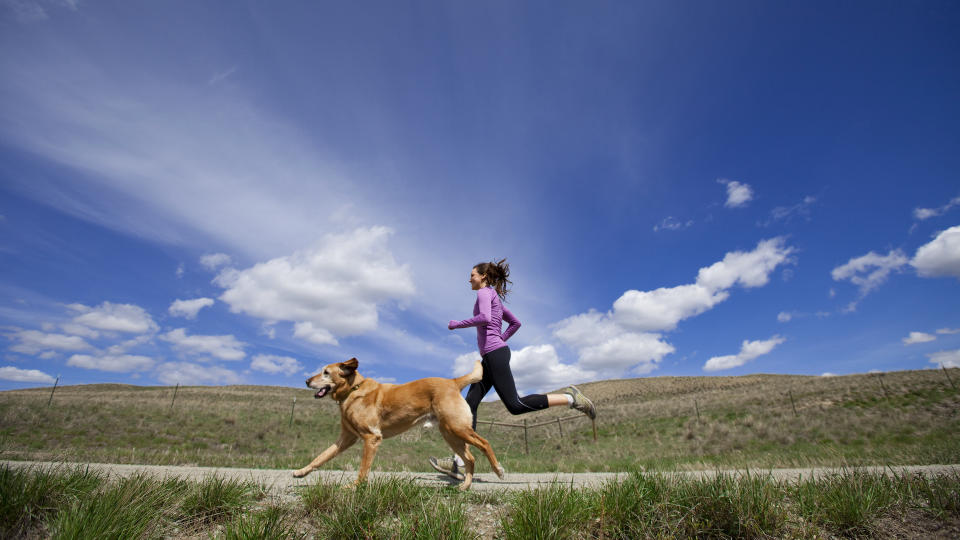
(467, 434)
(345, 441)
(459, 447)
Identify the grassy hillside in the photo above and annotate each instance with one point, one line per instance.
(650, 424)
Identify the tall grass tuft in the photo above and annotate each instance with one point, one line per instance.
(29, 496)
(216, 499)
(385, 508)
(554, 512)
(273, 522)
(847, 503)
(652, 505)
(435, 519)
(135, 507)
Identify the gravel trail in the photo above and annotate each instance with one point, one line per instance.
(282, 482)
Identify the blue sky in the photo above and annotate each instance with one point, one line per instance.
(241, 192)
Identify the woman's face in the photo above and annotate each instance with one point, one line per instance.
(477, 281)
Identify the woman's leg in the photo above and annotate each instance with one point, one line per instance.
(478, 390)
(498, 367)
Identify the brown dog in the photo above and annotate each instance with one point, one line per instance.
(373, 412)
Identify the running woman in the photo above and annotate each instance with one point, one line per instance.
(490, 280)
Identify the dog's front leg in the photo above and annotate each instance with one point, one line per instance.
(345, 441)
(371, 441)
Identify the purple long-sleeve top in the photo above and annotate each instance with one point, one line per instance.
(488, 316)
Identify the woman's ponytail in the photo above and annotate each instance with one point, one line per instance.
(497, 275)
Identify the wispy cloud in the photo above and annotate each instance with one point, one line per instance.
(188, 373)
(669, 223)
(749, 350)
(275, 364)
(224, 347)
(787, 214)
(869, 271)
(927, 213)
(189, 308)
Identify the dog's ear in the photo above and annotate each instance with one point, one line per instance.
(349, 367)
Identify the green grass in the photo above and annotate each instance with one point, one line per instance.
(72, 503)
(643, 424)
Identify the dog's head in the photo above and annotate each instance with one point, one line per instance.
(333, 378)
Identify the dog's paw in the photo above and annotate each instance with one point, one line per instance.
(500, 472)
(300, 473)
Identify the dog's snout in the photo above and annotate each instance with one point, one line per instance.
(308, 383)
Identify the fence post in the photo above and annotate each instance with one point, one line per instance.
(594, 421)
(291, 411)
(526, 447)
(947, 375)
(55, 383)
(880, 378)
(793, 403)
(172, 401)
(560, 426)
(697, 407)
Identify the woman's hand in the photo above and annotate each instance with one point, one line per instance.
(452, 325)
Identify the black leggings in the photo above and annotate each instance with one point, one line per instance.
(497, 374)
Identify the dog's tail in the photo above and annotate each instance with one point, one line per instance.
(474, 376)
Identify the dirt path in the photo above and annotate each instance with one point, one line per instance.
(281, 482)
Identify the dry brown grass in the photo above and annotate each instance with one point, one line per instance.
(647, 423)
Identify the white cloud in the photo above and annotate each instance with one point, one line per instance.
(640, 352)
(116, 363)
(115, 318)
(918, 337)
(212, 261)
(941, 257)
(332, 289)
(869, 271)
(189, 308)
(828, 374)
(80, 330)
(664, 308)
(185, 373)
(749, 350)
(784, 316)
(671, 224)
(538, 368)
(738, 194)
(950, 359)
(463, 364)
(34, 342)
(10, 373)
(320, 336)
(748, 269)
(927, 213)
(949, 331)
(225, 347)
(627, 338)
(275, 364)
(124, 346)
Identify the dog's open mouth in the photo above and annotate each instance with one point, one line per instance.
(322, 392)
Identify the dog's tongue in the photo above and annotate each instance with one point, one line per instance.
(322, 392)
